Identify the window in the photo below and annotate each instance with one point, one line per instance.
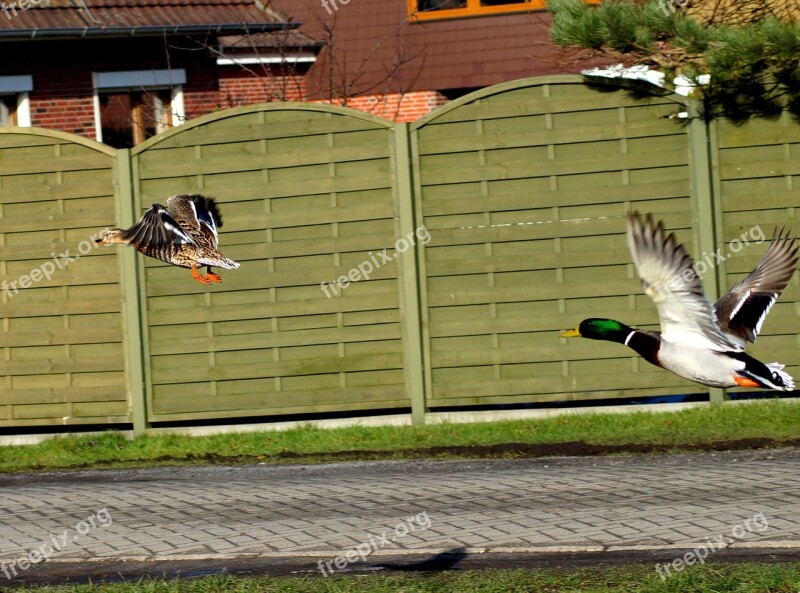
(15, 106)
(445, 9)
(129, 118)
(132, 106)
(8, 110)
(438, 9)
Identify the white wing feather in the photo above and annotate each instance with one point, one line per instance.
(668, 277)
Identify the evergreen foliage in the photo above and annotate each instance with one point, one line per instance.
(753, 63)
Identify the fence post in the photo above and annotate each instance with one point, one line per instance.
(705, 218)
(409, 276)
(130, 292)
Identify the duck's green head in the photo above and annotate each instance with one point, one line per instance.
(599, 329)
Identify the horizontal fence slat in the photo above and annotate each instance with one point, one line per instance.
(384, 331)
(170, 373)
(163, 166)
(543, 137)
(467, 203)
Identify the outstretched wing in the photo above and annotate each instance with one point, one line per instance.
(742, 310)
(198, 215)
(157, 229)
(669, 278)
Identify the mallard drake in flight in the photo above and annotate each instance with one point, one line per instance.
(182, 234)
(700, 341)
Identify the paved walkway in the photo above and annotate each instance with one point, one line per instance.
(749, 499)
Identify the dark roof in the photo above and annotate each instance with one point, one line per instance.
(387, 53)
(287, 39)
(124, 18)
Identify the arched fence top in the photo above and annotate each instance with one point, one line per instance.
(65, 136)
(559, 79)
(556, 79)
(259, 108)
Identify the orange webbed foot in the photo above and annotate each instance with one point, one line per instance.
(200, 278)
(213, 277)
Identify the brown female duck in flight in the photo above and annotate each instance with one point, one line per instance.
(182, 234)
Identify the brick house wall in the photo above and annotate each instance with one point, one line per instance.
(201, 91)
(238, 86)
(246, 85)
(75, 115)
(406, 107)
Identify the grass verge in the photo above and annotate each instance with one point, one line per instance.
(738, 578)
(760, 424)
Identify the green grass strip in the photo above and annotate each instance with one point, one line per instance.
(731, 578)
(771, 419)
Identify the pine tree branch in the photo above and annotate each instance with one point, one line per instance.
(750, 49)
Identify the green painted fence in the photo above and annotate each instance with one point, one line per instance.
(64, 354)
(756, 174)
(524, 189)
(306, 193)
(513, 197)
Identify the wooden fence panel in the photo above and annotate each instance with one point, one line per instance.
(758, 187)
(62, 338)
(524, 187)
(522, 191)
(306, 194)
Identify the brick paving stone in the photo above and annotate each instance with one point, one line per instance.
(657, 500)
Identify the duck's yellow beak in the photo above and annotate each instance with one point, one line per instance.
(571, 333)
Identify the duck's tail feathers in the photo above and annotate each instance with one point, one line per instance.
(220, 262)
(780, 376)
(777, 378)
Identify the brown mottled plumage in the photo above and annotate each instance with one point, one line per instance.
(182, 234)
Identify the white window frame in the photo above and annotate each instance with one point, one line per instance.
(247, 59)
(21, 86)
(139, 80)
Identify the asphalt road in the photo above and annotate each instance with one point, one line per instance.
(357, 517)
